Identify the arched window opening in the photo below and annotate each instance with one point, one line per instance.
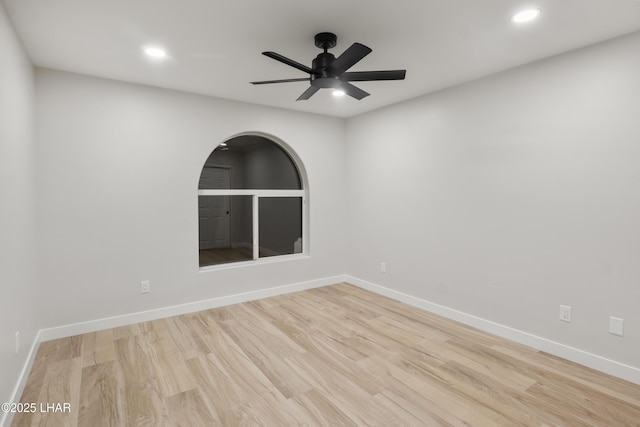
(251, 203)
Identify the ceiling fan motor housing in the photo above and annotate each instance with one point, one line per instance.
(322, 78)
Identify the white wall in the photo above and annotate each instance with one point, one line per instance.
(18, 255)
(119, 166)
(508, 196)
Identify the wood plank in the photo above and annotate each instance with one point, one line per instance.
(269, 360)
(145, 405)
(188, 409)
(97, 347)
(321, 411)
(103, 401)
(54, 392)
(168, 363)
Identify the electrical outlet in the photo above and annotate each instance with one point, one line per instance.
(145, 286)
(565, 313)
(383, 267)
(17, 342)
(616, 326)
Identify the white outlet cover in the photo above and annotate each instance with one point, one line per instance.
(565, 313)
(145, 286)
(616, 326)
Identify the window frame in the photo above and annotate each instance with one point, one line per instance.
(256, 195)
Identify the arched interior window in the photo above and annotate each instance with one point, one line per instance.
(250, 203)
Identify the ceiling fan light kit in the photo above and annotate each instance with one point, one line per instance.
(329, 72)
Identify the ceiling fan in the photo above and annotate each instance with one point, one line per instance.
(327, 71)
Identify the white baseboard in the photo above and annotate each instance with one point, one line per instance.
(620, 370)
(7, 417)
(176, 310)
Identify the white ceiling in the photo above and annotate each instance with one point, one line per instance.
(215, 46)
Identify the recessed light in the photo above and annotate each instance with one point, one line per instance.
(525, 16)
(155, 52)
(338, 93)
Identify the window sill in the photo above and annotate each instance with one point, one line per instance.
(261, 261)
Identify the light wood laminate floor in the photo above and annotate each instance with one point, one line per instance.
(332, 356)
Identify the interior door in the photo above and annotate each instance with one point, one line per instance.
(213, 211)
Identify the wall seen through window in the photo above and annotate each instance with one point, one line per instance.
(250, 203)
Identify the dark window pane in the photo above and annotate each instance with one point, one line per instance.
(280, 225)
(253, 162)
(215, 178)
(226, 229)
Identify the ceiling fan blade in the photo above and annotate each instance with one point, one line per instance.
(308, 93)
(288, 61)
(266, 82)
(353, 91)
(348, 58)
(362, 76)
